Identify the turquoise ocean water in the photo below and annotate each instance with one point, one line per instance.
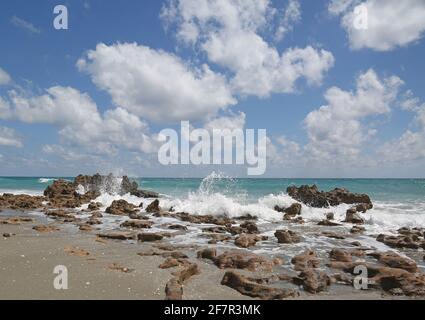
(397, 202)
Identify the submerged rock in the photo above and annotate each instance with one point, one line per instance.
(311, 196)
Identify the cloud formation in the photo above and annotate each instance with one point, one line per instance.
(391, 23)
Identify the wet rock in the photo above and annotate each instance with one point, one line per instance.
(357, 230)
(287, 236)
(121, 208)
(46, 228)
(206, 219)
(218, 238)
(353, 217)
(96, 215)
(153, 207)
(401, 241)
(189, 270)
(215, 229)
(236, 259)
(21, 202)
(328, 223)
(293, 210)
(208, 253)
(118, 235)
(340, 255)
(93, 222)
(173, 290)
(306, 260)
(16, 220)
(177, 227)
(63, 194)
(311, 196)
(393, 260)
(150, 237)
(8, 235)
(249, 227)
(253, 289)
(169, 263)
(94, 206)
(137, 224)
(313, 281)
(248, 240)
(86, 227)
(342, 278)
(58, 214)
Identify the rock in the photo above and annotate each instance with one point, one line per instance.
(121, 208)
(46, 228)
(8, 235)
(250, 288)
(177, 227)
(249, 227)
(118, 235)
(96, 215)
(21, 202)
(63, 194)
(290, 212)
(59, 214)
(340, 255)
(137, 224)
(94, 206)
(293, 210)
(313, 281)
(153, 207)
(174, 287)
(393, 260)
(173, 290)
(306, 260)
(208, 253)
(217, 229)
(401, 241)
(328, 223)
(353, 217)
(206, 219)
(16, 220)
(357, 229)
(149, 237)
(287, 236)
(169, 263)
(311, 196)
(342, 278)
(330, 216)
(86, 227)
(236, 259)
(248, 240)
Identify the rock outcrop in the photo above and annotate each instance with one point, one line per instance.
(310, 195)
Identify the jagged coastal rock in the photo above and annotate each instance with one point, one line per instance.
(310, 195)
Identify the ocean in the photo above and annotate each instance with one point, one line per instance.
(397, 202)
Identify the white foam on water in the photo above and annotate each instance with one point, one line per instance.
(22, 191)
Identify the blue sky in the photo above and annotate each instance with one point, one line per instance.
(116, 103)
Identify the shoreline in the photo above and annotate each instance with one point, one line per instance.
(28, 260)
(146, 250)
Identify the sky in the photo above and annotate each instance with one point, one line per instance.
(340, 95)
